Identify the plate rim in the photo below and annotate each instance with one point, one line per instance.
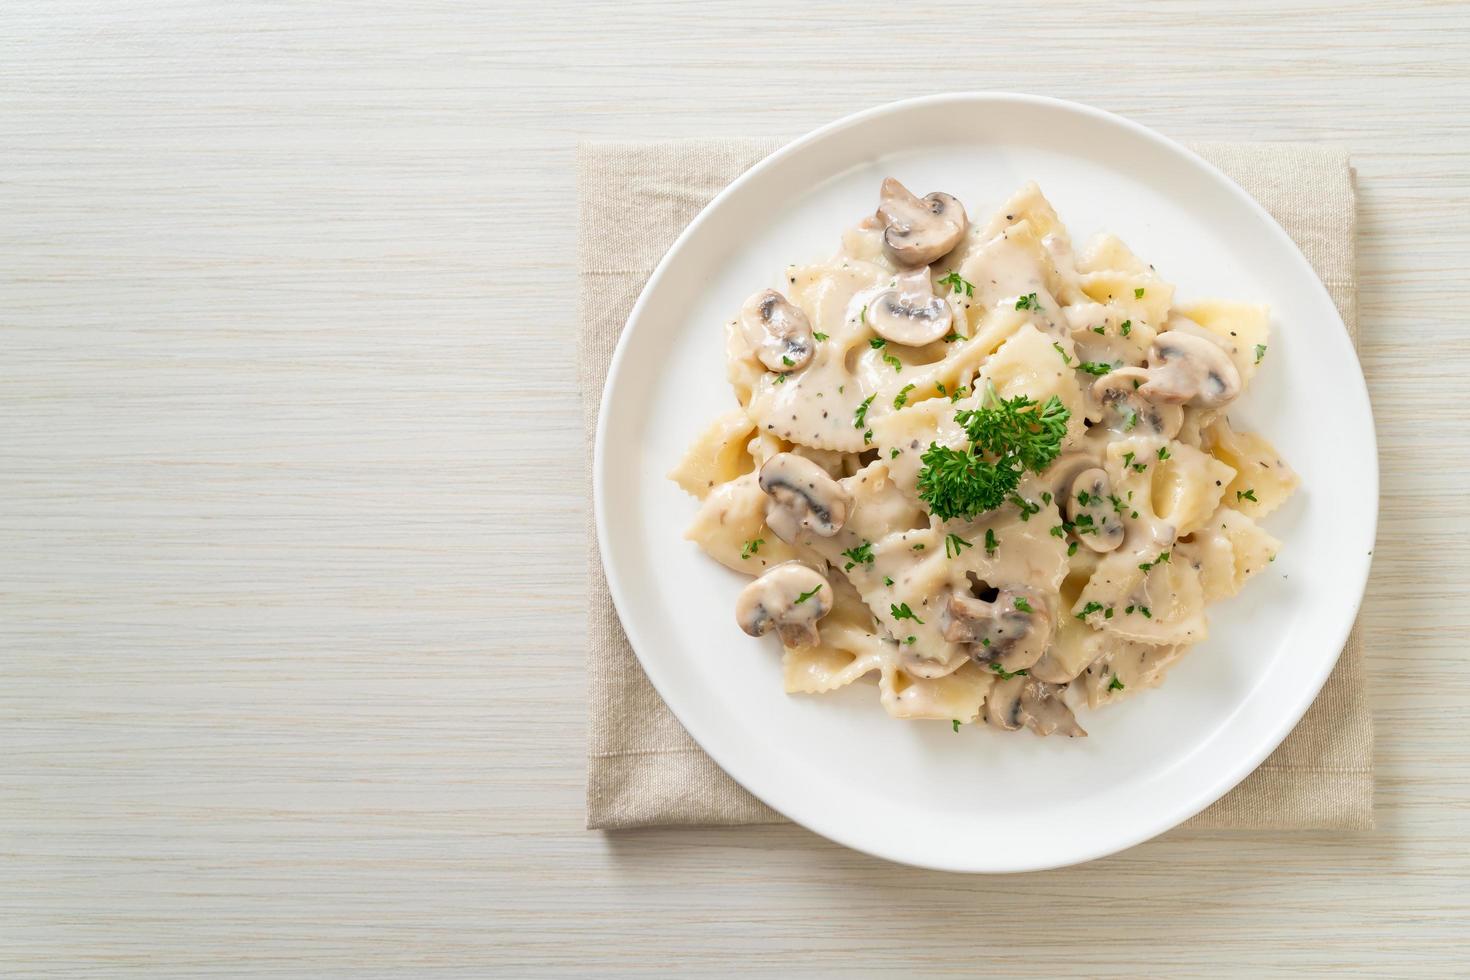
(1250, 761)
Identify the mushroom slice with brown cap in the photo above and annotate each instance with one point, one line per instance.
(1187, 370)
(1088, 507)
(803, 498)
(1045, 711)
(909, 313)
(1121, 392)
(1011, 632)
(919, 230)
(777, 330)
(790, 599)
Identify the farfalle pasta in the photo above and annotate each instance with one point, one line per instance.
(994, 475)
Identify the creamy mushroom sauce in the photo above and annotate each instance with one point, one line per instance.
(1085, 586)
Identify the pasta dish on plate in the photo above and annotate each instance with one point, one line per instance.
(990, 472)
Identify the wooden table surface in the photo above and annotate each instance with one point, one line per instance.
(291, 548)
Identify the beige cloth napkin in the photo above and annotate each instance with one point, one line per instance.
(643, 769)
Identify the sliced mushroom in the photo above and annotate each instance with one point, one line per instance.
(803, 498)
(1187, 370)
(1045, 711)
(790, 599)
(1012, 632)
(1121, 392)
(1003, 704)
(1088, 506)
(777, 330)
(909, 313)
(919, 230)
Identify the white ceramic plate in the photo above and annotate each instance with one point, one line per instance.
(981, 800)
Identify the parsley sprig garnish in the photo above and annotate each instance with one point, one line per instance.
(1007, 438)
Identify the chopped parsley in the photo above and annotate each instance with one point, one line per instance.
(1059, 531)
(819, 335)
(787, 361)
(1147, 614)
(877, 343)
(1028, 507)
(1247, 495)
(958, 393)
(860, 416)
(893, 362)
(1084, 498)
(1023, 605)
(751, 547)
(902, 611)
(1098, 368)
(1007, 438)
(1126, 328)
(780, 379)
(956, 723)
(991, 541)
(1071, 549)
(1114, 685)
(953, 335)
(960, 284)
(911, 640)
(1065, 359)
(862, 554)
(901, 399)
(1128, 459)
(1163, 452)
(1162, 559)
(807, 595)
(1089, 609)
(1099, 331)
(893, 453)
(1028, 302)
(1260, 352)
(887, 581)
(1130, 418)
(1006, 675)
(1138, 293)
(954, 544)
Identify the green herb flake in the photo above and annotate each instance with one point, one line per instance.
(1006, 675)
(956, 723)
(1126, 328)
(1089, 609)
(902, 611)
(992, 543)
(1023, 605)
(860, 416)
(1138, 293)
(751, 547)
(1260, 352)
(960, 284)
(1247, 495)
(1115, 685)
(954, 545)
(877, 343)
(807, 595)
(861, 554)
(902, 398)
(1028, 302)
(819, 335)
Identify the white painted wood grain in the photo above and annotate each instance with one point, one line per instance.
(290, 511)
